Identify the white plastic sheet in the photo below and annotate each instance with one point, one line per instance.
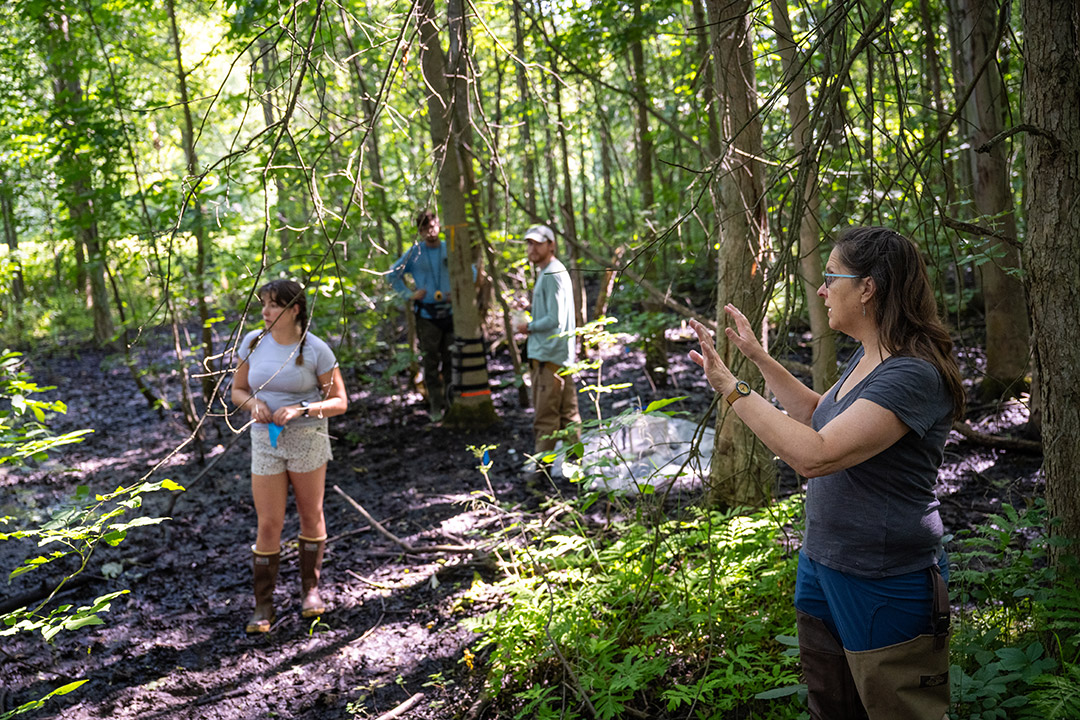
(647, 450)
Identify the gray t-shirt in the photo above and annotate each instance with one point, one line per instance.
(277, 380)
(880, 518)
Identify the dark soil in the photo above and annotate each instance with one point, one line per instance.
(174, 647)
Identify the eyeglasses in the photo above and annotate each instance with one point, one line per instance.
(829, 277)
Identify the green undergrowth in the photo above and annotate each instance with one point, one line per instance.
(1016, 638)
(692, 617)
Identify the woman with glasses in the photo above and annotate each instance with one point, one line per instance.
(870, 598)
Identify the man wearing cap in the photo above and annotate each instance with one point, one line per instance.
(428, 264)
(551, 342)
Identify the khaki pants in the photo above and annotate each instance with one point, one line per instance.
(554, 399)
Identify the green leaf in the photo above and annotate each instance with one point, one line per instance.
(657, 405)
(779, 692)
(114, 538)
(1013, 659)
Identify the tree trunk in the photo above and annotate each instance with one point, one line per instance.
(528, 163)
(11, 238)
(75, 174)
(641, 119)
(1052, 251)
(805, 213)
(267, 54)
(372, 147)
(1007, 334)
(472, 405)
(607, 283)
(605, 169)
(566, 208)
(187, 134)
(655, 340)
(708, 87)
(742, 472)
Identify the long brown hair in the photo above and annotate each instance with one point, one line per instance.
(286, 293)
(905, 309)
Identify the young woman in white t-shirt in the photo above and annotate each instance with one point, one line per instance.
(290, 382)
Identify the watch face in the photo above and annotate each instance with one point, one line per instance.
(742, 387)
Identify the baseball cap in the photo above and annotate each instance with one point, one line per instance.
(540, 233)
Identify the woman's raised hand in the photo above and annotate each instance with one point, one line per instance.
(743, 335)
(716, 372)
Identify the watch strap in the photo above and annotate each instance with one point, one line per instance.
(742, 389)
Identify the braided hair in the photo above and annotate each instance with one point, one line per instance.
(906, 311)
(286, 293)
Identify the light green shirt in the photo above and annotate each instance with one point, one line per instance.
(551, 332)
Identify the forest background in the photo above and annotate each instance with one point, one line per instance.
(158, 162)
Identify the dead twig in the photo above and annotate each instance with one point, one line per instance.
(998, 441)
(371, 629)
(236, 692)
(372, 583)
(402, 708)
(413, 549)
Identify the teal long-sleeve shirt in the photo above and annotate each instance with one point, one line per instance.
(551, 332)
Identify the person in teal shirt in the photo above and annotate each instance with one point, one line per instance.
(427, 263)
(551, 342)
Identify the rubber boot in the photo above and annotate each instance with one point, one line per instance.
(831, 691)
(909, 680)
(311, 556)
(265, 571)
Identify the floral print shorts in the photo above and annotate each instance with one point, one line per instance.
(300, 449)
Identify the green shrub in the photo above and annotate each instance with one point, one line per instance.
(1019, 620)
(685, 614)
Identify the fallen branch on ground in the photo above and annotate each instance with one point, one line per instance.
(998, 441)
(402, 708)
(414, 549)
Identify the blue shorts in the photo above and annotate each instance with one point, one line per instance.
(868, 613)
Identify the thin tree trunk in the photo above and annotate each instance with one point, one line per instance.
(605, 168)
(267, 54)
(528, 163)
(805, 213)
(11, 238)
(742, 472)
(1007, 334)
(472, 405)
(607, 283)
(78, 190)
(656, 346)
(714, 143)
(187, 133)
(566, 208)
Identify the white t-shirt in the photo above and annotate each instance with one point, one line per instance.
(276, 379)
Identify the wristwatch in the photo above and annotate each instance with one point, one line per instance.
(306, 405)
(742, 389)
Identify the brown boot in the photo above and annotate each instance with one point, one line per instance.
(909, 680)
(311, 556)
(831, 691)
(265, 570)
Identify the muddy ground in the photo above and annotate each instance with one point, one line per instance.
(174, 647)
